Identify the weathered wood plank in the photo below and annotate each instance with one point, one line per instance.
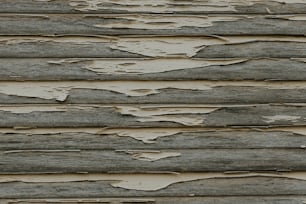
(151, 138)
(166, 200)
(40, 69)
(160, 6)
(131, 161)
(121, 116)
(152, 92)
(139, 47)
(244, 186)
(173, 25)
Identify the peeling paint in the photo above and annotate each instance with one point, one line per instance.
(60, 90)
(155, 46)
(141, 182)
(167, 6)
(132, 66)
(167, 22)
(272, 119)
(291, 17)
(145, 155)
(181, 115)
(144, 135)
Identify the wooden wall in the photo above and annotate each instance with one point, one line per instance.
(153, 101)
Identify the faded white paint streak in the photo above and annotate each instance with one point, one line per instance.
(167, 6)
(154, 46)
(274, 118)
(167, 22)
(147, 66)
(142, 182)
(145, 155)
(181, 115)
(60, 90)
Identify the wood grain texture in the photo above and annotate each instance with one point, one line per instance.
(160, 6)
(172, 25)
(253, 186)
(41, 69)
(133, 161)
(152, 92)
(139, 47)
(167, 200)
(151, 139)
(151, 116)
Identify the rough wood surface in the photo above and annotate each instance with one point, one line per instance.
(257, 186)
(152, 92)
(41, 69)
(160, 6)
(173, 25)
(167, 200)
(151, 116)
(139, 47)
(151, 139)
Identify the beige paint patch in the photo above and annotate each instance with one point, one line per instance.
(141, 182)
(147, 66)
(60, 90)
(272, 119)
(187, 47)
(167, 22)
(144, 155)
(154, 46)
(291, 17)
(297, 130)
(181, 115)
(144, 135)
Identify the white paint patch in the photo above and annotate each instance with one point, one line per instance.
(60, 90)
(291, 17)
(152, 22)
(154, 46)
(297, 130)
(181, 115)
(141, 182)
(272, 119)
(139, 66)
(144, 135)
(151, 156)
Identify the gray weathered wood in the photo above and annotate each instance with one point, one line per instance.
(51, 24)
(136, 47)
(167, 200)
(40, 69)
(256, 186)
(151, 116)
(147, 6)
(192, 139)
(152, 92)
(122, 160)
(255, 49)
